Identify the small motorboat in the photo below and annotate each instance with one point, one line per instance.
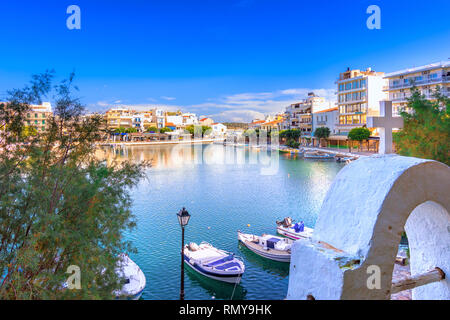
(214, 263)
(134, 279)
(318, 155)
(268, 246)
(294, 231)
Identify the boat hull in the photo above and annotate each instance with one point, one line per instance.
(267, 255)
(292, 234)
(229, 278)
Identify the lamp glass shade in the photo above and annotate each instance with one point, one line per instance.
(183, 217)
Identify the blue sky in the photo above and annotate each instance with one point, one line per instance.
(233, 60)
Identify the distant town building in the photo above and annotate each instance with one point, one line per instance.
(359, 94)
(219, 129)
(300, 115)
(206, 122)
(38, 116)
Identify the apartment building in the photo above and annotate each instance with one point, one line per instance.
(358, 95)
(301, 113)
(38, 116)
(426, 78)
(326, 118)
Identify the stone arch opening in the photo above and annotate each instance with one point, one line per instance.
(429, 249)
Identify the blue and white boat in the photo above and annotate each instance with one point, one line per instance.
(214, 263)
(268, 246)
(134, 279)
(293, 230)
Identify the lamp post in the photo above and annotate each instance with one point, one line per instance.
(183, 219)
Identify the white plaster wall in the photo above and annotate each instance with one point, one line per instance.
(430, 249)
(364, 214)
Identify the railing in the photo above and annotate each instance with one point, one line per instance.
(421, 82)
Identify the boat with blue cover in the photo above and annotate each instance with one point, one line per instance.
(268, 246)
(293, 230)
(214, 263)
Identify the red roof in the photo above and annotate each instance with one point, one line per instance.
(327, 110)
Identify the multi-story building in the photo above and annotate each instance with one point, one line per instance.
(326, 118)
(119, 117)
(426, 78)
(301, 114)
(38, 116)
(359, 95)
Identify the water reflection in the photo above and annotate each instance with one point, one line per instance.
(280, 269)
(216, 289)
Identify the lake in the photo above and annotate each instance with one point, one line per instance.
(224, 190)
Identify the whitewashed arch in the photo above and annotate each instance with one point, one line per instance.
(369, 204)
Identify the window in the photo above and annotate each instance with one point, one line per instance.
(43, 121)
(35, 115)
(341, 87)
(362, 83)
(355, 119)
(363, 118)
(363, 95)
(28, 115)
(348, 119)
(348, 86)
(342, 120)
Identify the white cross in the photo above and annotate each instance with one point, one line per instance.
(385, 122)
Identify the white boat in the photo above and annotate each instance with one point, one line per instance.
(134, 279)
(318, 155)
(214, 263)
(294, 231)
(268, 246)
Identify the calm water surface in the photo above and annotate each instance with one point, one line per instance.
(222, 197)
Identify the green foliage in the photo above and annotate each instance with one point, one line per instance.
(196, 130)
(359, 134)
(125, 130)
(165, 129)
(294, 134)
(426, 130)
(293, 144)
(322, 133)
(59, 204)
(152, 129)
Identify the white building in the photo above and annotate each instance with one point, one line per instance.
(300, 114)
(326, 118)
(425, 78)
(219, 129)
(359, 95)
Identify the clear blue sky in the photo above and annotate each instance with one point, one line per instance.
(231, 59)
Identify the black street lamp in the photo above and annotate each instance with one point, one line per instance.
(183, 219)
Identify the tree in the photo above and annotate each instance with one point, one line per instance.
(293, 134)
(359, 134)
(59, 204)
(165, 129)
(426, 128)
(152, 129)
(322, 133)
(191, 129)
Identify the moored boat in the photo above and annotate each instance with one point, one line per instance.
(294, 231)
(134, 279)
(318, 155)
(214, 263)
(268, 246)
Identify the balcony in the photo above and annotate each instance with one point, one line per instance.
(417, 83)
